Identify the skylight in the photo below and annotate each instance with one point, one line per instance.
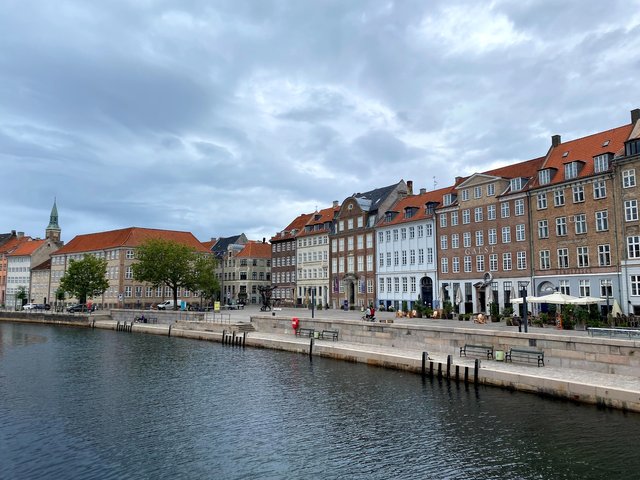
(605, 143)
(565, 154)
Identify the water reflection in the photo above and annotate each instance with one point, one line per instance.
(97, 404)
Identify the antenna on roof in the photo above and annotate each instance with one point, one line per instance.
(435, 182)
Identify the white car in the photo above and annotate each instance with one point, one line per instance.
(30, 306)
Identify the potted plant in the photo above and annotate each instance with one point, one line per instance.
(447, 308)
(494, 311)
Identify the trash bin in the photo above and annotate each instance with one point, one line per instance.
(316, 334)
(500, 355)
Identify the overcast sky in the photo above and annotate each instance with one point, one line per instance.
(223, 117)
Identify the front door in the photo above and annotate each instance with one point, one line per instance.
(426, 291)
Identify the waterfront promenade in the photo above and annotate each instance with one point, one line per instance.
(581, 385)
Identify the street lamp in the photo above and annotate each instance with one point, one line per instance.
(607, 287)
(522, 286)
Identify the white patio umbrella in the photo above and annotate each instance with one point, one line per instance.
(458, 298)
(588, 300)
(530, 299)
(556, 298)
(615, 310)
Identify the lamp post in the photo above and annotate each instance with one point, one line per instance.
(607, 286)
(522, 286)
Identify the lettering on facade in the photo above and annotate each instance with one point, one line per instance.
(479, 250)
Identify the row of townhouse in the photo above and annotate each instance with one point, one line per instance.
(565, 221)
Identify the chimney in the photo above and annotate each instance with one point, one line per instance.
(635, 115)
(555, 140)
(409, 187)
(423, 191)
(458, 179)
(264, 240)
(20, 234)
(13, 233)
(335, 203)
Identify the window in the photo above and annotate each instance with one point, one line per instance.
(413, 284)
(584, 288)
(466, 216)
(341, 244)
(396, 259)
(570, 170)
(360, 261)
(412, 257)
(583, 256)
(519, 207)
(350, 224)
(130, 254)
(412, 232)
(604, 255)
(564, 287)
(360, 222)
(632, 147)
(504, 209)
(444, 265)
(558, 198)
(633, 246)
(491, 212)
(428, 230)
(477, 192)
(541, 201)
(443, 242)
(506, 234)
(561, 226)
(420, 231)
(599, 189)
(429, 255)
(465, 195)
(516, 184)
(506, 261)
(480, 263)
(545, 260)
(128, 274)
(493, 262)
(349, 243)
(341, 225)
(478, 214)
(581, 223)
(380, 260)
(447, 199)
(466, 239)
(629, 178)
(479, 238)
(493, 236)
(381, 286)
(443, 220)
(403, 234)
(455, 264)
(491, 190)
(520, 237)
(388, 259)
(396, 284)
(601, 163)
(420, 256)
(521, 263)
(543, 229)
(544, 176)
(467, 263)
(455, 240)
(631, 210)
(454, 219)
(395, 234)
(389, 284)
(602, 221)
(578, 193)
(563, 258)
(405, 285)
(634, 280)
(369, 240)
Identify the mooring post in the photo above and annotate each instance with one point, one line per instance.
(244, 339)
(431, 369)
(449, 366)
(224, 336)
(475, 370)
(466, 374)
(233, 339)
(457, 372)
(118, 326)
(170, 329)
(311, 348)
(425, 356)
(439, 370)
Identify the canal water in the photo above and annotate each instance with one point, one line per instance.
(95, 404)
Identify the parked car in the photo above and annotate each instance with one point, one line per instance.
(43, 306)
(81, 307)
(167, 305)
(30, 306)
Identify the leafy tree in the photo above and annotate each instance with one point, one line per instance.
(85, 278)
(59, 296)
(165, 263)
(21, 294)
(205, 281)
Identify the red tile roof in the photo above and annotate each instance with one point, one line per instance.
(127, 237)
(320, 218)
(255, 249)
(27, 248)
(209, 245)
(419, 201)
(297, 224)
(12, 243)
(584, 149)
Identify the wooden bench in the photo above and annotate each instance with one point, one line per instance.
(329, 333)
(524, 353)
(305, 332)
(483, 349)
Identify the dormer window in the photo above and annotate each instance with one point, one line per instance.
(389, 216)
(601, 162)
(410, 212)
(571, 170)
(516, 184)
(632, 147)
(447, 199)
(544, 176)
(430, 207)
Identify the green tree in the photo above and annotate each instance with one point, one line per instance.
(59, 296)
(205, 281)
(21, 294)
(165, 263)
(85, 278)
